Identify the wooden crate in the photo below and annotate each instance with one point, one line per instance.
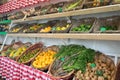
(62, 23)
(108, 21)
(89, 21)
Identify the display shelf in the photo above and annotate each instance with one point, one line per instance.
(73, 13)
(89, 36)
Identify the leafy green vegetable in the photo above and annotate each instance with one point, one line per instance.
(75, 57)
(82, 28)
(85, 56)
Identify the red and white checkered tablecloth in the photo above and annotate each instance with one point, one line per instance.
(11, 70)
(20, 4)
(17, 4)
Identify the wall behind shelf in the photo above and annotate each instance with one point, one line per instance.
(2, 38)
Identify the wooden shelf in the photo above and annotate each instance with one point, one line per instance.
(88, 36)
(73, 13)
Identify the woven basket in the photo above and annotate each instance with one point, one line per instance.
(17, 44)
(103, 63)
(92, 3)
(54, 48)
(108, 21)
(33, 47)
(28, 44)
(79, 6)
(88, 21)
(4, 50)
(62, 24)
(58, 72)
(16, 56)
(117, 77)
(14, 45)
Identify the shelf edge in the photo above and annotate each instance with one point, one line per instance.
(88, 36)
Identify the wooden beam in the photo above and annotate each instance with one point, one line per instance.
(88, 36)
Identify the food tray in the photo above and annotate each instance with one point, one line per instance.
(108, 21)
(43, 27)
(89, 21)
(33, 47)
(48, 24)
(20, 26)
(28, 30)
(62, 23)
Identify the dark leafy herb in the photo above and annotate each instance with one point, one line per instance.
(80, 60)
(75, 57)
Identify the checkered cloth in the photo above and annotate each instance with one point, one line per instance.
(11, 70)
(18, 4)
